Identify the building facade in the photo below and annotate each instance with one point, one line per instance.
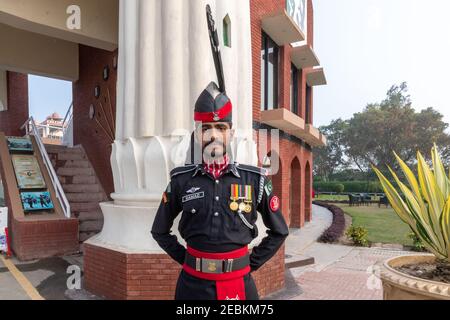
(137, 69)
(51, 130)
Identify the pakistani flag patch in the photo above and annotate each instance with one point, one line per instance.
(268, 188)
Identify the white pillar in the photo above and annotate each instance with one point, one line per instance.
(165, 62)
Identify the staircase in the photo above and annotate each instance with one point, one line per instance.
(81, 186)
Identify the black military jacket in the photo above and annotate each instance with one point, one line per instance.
(207, 222)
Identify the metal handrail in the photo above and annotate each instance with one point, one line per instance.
(68, 119)
(69, 115)
(60, 195)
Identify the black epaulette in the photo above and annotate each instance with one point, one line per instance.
(181, 170)
(258, 170)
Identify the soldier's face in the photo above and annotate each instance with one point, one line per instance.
(215, 138)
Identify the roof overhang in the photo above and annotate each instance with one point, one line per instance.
(282, 28)
(283, 119)
(304, 57)
(292, 124)
(316, 77)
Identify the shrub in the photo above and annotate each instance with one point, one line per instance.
(358, 235)
(336, 230)
(424, 202)
(417, 243)
(349, 186)
(339, 188)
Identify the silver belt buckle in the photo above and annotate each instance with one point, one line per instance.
(198, 266)
(212, 266)
(229, 266)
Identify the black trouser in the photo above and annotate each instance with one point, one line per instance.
(193, 288)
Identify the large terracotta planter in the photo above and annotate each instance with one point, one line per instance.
(400, 286)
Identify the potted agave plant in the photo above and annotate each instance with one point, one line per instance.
(424, 204)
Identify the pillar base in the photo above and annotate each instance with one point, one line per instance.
(117, 275)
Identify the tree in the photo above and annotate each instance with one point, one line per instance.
(330, 159)
(372, 135)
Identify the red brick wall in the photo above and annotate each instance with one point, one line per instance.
(121, 276)
(87, 132)
(12, 119)
(41, 239)
(289, 150)
(270, 277)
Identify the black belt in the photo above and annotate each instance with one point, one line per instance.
(216, 265)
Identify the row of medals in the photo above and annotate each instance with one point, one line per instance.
(243, 206)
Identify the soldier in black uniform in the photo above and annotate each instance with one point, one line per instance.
(219, 200)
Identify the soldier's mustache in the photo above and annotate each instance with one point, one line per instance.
(215, 143)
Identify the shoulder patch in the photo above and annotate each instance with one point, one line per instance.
(180, 170)
(257, 170)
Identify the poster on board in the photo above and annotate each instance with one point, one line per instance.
(36, 201)
(19, 144)
(3, 226)
(28, 173)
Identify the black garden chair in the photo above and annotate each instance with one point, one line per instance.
(354, 200)
(383, 201)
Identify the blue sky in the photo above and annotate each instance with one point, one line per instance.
(365, 47)
(47, 96)
(368, 45)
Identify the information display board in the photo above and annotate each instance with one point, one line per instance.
(28, 173)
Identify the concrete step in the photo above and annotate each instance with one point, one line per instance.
(81, 188)
(70, 172)
(84, 206)
(91, 226)
(90, 215)
(77, 164)
(76, 149)
(54, 148)
(83, 236)
(85, 197)
(71, 156)
(85, 180)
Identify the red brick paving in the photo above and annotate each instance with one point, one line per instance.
(348, 278)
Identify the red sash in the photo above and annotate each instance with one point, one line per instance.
(229, 285)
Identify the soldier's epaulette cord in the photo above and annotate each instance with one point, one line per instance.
(184, 169)
(253, 169)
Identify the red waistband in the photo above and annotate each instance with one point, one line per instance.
(222, 255)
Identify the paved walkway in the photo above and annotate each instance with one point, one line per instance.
(10, 288)
(299, 240)
(339, 272)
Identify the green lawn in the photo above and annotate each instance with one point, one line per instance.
(327, 197)
(383, 224)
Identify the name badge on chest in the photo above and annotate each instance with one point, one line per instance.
(193, 196)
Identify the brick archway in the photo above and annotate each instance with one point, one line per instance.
(308, 193)
(295, 196)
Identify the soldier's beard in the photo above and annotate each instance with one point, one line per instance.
(212, 155)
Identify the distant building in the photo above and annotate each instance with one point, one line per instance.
(51, 130)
